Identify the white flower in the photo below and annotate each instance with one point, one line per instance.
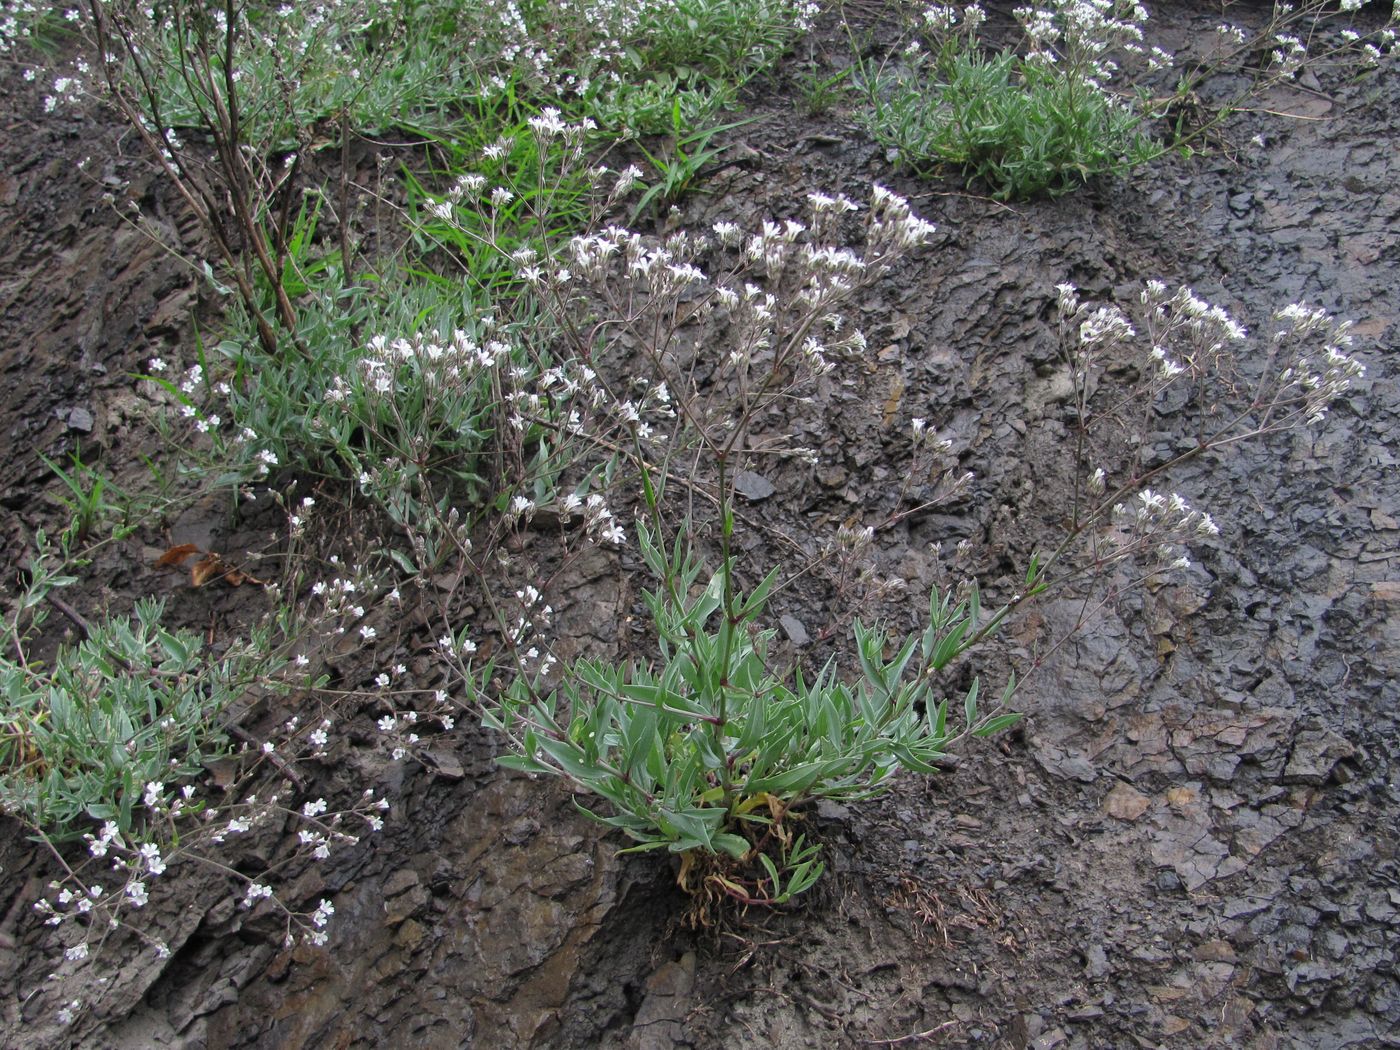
(1151, 500)
(155, 863)
(548, 124)
(314, 809)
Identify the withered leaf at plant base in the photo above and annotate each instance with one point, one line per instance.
(176, 555)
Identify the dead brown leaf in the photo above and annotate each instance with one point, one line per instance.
(209, 567)
(213, 568)
(176, 555)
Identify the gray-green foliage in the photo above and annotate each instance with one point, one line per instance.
(1021, 129)
(129, 705)
(692, 56)
(707, 747)
(1041, 120)
(395, 376)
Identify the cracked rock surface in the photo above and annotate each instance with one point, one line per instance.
(1192, 839)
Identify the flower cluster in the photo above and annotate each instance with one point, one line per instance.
(1307, 366)
(423, 363)
(17, 20)
(1160, 524)
(784, 271)
(1188, 334)
(1317, 370)
(1080, 36)
(93, 908)
(1095, 329)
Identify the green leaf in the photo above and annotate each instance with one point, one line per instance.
(522, 764)
(403, 561)
(970, 704)
(735, 845)
(754, 604)
(772, 870)
(664, 701)
(997, 724)
(939, 721)
(1033, 570)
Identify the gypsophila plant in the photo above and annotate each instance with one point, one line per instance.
(706, 750)
(1297, 36)
(691, 57)
(104, 756)
(1199, 366)
(131, 703)
(24, 22)
(1042, 119)
(1081, 96)
(101, 906)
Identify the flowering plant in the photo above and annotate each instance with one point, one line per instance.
(1059, 109)
(1042, 121)
(708, 752)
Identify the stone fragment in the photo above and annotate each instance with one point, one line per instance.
(1215, 951)
(444, 763)
(1173, 1025)
(795, 630)
(79, 419)
(1096, 960)
(1180, 797)
(401, 881)
(1125, 802)
(1315, 753)
(1061, 763)
(753, 486)
(659, 1024)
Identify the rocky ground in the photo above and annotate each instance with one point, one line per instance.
(1191, 840)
